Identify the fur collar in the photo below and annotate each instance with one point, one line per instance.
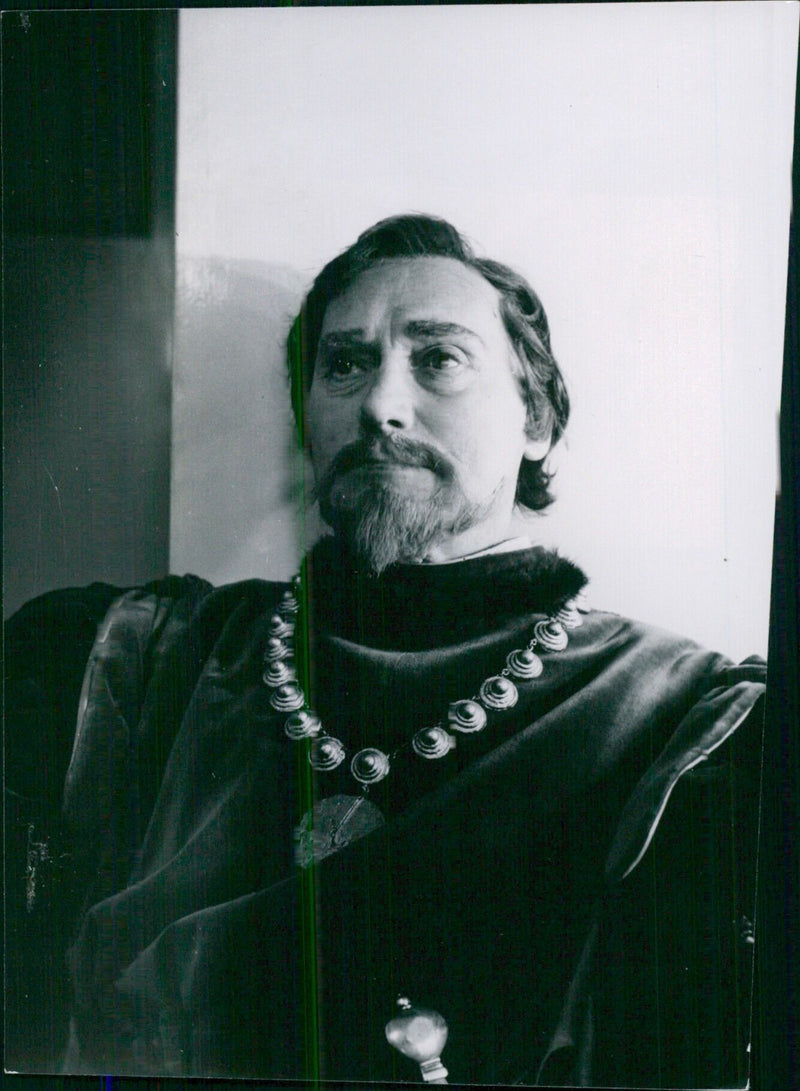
(422, 605)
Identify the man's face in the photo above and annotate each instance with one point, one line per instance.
(415, 418)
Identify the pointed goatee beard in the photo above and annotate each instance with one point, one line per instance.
(382, 524)
(384, 527)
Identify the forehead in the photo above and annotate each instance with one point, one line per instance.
(397, 290)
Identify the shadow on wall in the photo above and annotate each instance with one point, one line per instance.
(238, 504)
(86, 412)
(88, 116)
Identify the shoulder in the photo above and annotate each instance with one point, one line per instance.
(664, 697)
(49, 641)
(647, 645)
(58, 615)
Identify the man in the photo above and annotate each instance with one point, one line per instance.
(425, 771)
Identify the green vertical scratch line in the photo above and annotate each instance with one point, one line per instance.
(310, 983)
(307, 883)
(307, 887)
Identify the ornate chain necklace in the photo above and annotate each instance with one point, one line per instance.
(466, 716)
(336, 821)
(339, 819)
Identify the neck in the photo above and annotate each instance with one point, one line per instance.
(481, 538)
(506, 545)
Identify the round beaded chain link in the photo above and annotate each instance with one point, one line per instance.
(467, 716)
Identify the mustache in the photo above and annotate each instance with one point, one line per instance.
(391, 450)
(395, 450)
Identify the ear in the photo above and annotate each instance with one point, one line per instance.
(536, 449)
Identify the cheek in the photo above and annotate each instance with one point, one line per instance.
(485, 456)
(314, 429)
(327, 428)
(315, 416)
(495, 440)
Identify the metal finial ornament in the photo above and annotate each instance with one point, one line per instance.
(498, 693)
(569, 616)
(276, 649)
(280, 627)
(432, 742)
(524, 664)
(280, 671)
(325, 753)
(369, 765)
(302, 724)
(466, 716)
(551, 635)
(289, 605)
(419, 1034)
(287, 697)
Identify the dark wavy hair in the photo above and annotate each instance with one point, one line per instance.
(411, 236)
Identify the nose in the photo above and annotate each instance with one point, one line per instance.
(388, 405)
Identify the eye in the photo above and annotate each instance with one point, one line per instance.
(441, 359)
(340, 365)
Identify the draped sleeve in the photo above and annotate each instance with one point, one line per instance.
(48, 644)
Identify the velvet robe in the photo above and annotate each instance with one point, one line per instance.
(572, 887)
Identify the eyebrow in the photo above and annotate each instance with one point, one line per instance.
(427, 327)
(339, 338)
(419, 327)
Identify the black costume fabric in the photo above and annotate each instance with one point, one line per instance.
(572, 887)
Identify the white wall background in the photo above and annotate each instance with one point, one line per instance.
(632, 160)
